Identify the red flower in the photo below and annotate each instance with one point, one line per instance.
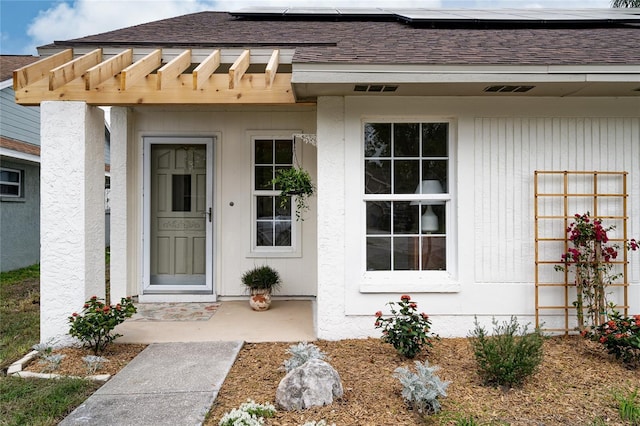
(619, 336)
(75, 314)
(413, 305)
(377, 324)
(379, 314)
(405, 298)
(603, 339)
(424, 316)
(94, 297)
(86, 305)
(583, 333)
(106, 309)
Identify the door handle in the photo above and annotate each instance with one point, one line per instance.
(209, 214)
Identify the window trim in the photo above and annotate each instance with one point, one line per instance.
(418, 281)
(295, 250)
(19, 184)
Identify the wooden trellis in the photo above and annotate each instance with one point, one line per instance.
(558, 187)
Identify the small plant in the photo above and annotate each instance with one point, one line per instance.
(510, 355)
(95, 324)
(93, 363)
(294, 182)
(51, 362)
(43, 349)
(262, 277)
(248, 414)
(406, 329)
(620, 335)
(422, 389)
(318, 423)
(301, 353)
(629, 406)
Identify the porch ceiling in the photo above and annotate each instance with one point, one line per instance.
(126, 78)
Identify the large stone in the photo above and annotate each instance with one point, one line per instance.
(315, 383)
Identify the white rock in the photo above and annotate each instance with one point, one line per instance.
(314, 383)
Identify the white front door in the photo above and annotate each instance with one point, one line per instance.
(178, 215)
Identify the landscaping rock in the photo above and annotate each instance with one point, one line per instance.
(315, 383)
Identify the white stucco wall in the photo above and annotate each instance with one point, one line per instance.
(497, 146)
(72, 213)
(232, 127)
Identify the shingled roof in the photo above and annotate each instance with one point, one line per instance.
(8, 63)
(385, 41)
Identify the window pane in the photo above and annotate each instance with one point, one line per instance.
(9, 176)
(406, 140)
(377, 140)
(435, 139)
(283, 209)
(378, 253)
(283, 233)
(264, 152)
(434, 253)
(181, 193)
(378, 217)
(265, 208)
(406, 176)
(284, 152)
(377, 179)
(10, 190)
(264, 175)
(436, 169)
(264, 235)
(433, 219)
(406, 252)
(405, 217)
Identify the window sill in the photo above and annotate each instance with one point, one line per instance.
(273, 254)
(409, 282)
(13, 199)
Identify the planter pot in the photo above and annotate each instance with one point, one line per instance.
(260, 299)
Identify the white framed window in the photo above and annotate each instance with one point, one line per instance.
(408, 200)
(11, 183)
(274, 228)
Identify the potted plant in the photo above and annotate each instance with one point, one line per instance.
(295, 182)
(261, 281)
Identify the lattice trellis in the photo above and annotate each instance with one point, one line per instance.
(559, 195)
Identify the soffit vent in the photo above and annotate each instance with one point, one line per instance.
(508, 89)
(379, 88)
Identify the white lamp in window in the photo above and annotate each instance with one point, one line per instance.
(429, 219)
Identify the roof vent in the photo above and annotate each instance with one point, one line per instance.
(374, 88)
(508, 89)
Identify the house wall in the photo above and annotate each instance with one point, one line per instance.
(232, 128)
(497, 146)
(20, 219)
(18, 122)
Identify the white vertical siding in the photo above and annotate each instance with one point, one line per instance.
(509, 150)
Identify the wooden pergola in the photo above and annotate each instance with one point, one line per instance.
(119, 80)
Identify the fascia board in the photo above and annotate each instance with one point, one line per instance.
(19, 155)
(6, 83)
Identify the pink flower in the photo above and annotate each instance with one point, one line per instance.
(379, 314)
(424, 316)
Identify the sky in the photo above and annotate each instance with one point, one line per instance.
(26, 24)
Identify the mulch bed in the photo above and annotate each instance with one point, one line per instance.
(573, 387)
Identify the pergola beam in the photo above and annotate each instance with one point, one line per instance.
(69, 71)
(107, 69)
(238, 68)
(140, 69)
(272, 68)
(30, 74)
(174, 68)
(205, 69)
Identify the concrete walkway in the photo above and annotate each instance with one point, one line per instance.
(170, 384)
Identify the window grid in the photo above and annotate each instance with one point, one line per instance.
(10, 183)
(393, 197)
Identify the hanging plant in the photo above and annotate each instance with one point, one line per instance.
(294, 182)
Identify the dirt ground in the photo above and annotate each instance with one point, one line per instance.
(574, 385)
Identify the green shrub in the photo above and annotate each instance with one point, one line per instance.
(406, 329)
(629, 406)
(422, 389)
(95, 324)
(510, 355)
(620, 335)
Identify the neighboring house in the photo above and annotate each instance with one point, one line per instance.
(19, 172)
(423, 130)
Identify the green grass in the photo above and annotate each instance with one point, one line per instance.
(19, 313)
(30, 401)
(41, 401)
